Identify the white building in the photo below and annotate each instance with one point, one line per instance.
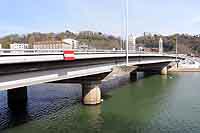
(160, 46)
(51, 45)
(132, 43)
(19, 46)
(83, 46)
(0, 46)
(64, 44)
(72, 42)
(141, 49)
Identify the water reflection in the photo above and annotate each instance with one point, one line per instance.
(93, 114)
(16, 117)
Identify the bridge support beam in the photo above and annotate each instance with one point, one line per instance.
(17, 98)
(91, 93)
(164, 71)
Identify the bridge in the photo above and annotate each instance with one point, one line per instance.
(22, 68)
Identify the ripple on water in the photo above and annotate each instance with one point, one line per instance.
(151, 105)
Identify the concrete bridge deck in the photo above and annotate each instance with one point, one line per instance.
(18, 70)
(34, 55)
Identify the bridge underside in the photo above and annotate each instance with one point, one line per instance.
(95, 77)
(153, 68)
(42, 66)
(89, 73)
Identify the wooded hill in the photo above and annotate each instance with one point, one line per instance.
(93, 39)
(186, 43)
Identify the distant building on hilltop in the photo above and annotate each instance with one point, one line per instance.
(19, 46)
(74, 43)
(64, 44)
(151, 49)
(132, 42)
(51, 45)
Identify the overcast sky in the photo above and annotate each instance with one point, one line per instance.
(157, 16)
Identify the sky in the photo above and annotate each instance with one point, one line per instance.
(156, 16)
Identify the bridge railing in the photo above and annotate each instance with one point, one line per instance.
(103, 51)
(99, 51)
(16, 52)
(10, 52)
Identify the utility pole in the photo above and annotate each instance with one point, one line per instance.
(127, 40)
(177, 50)
(176, 47)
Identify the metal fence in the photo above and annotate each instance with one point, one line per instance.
(15, 52)
(10, 52)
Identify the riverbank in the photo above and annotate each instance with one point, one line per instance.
(187, 65)
(184, 70)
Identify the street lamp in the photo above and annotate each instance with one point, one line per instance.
(177, 50)
(127, 48)
(176, 47)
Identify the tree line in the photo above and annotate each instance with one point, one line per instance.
(186, 43)
(93, 39)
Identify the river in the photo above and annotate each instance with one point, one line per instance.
(154, 104)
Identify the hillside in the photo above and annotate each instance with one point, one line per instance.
(186, 43)
(93, 39)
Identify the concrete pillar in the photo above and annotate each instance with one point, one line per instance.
(164, 71)
(17, 98)
(91, 93)
(133, 76)
(140, 75)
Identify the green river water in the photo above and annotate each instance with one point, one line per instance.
(155, 104)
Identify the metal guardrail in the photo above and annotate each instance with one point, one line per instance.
(18, 52)
(10, 52)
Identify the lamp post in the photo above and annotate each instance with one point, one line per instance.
(176, 47)
(127, 40)
(177, 50)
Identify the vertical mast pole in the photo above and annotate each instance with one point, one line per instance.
(127, 41)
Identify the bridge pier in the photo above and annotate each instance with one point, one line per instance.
(164, 71)
(17, 98)
(91, 93)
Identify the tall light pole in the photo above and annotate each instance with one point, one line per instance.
(127, 40)
(176, 47)
(177, 50)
